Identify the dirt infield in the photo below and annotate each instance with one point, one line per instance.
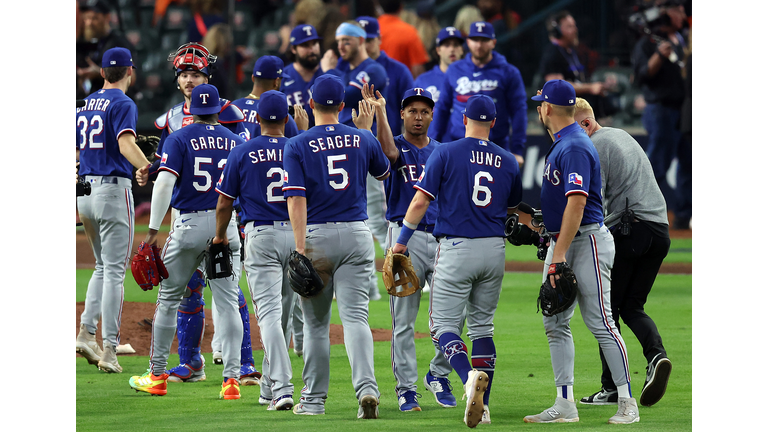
(136, 330)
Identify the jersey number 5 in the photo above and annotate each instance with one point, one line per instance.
(199, 172)
(87, 136)
(334, 171)
(485, 190)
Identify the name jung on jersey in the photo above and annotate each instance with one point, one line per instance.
(334, 142)
(485, 158)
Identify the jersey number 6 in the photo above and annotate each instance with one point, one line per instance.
(477, 189)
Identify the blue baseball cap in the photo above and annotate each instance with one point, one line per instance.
(304, 33)
(448, 33)
(273, 106)
(370, 25)
(417, 93)
(480, 107)
(269, 67)
(117, 57)
(328, 90)
(557, 92)
(205, 100)
(482, 29)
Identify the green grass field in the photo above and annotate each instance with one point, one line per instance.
(523, 382)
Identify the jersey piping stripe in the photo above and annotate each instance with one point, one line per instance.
(131, 224)
(392, 314)
(603, 314)
(125, 131)
(355, 84)
(159, 288)
(169, 170)
(585, 193)
(225, 194)
(385, 173)
(285, 188)
(421, 189)
(435, 339)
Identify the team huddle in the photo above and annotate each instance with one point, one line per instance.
(427, 168)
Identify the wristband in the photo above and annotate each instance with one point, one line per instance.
(405, 235)
(412, 226)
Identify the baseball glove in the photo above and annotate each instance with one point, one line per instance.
(556, 299)
(303, 277)
(148, 145)
(161, 270)
(399, 272)
(218, 260)
(144, 267)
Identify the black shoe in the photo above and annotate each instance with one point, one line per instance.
(655, 386)
(603, 397)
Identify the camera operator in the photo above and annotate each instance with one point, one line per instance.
(657, 63)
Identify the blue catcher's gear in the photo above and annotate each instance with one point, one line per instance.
(189, 331)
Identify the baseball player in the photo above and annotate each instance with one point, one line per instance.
(325, 166)
(267, 75)
(194, 65)
(636, 214)
(357, 69)
(106, 141)
(478, 184)
(407, 154)
(572, 208)
(449, 46)
(254, 176)
(483, 71)
(192, 160)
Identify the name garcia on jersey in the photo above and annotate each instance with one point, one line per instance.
(212, 143)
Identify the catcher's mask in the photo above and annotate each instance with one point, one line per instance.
(192, 56)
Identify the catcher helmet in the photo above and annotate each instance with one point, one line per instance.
(192, 56)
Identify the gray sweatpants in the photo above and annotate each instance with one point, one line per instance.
(340, 252)
(267, 249)
(591, 258)
(422, 249)
(182, 253)
(107, 215)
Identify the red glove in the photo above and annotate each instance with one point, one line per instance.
(144, 267)
(159, 262)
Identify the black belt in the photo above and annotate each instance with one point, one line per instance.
(578, 233)
(181, 212)
(421, 227)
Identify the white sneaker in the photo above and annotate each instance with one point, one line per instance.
(486, 415)
(86, 346)
(563, 411)
(108, 362)
(627, 413)
(474, 389)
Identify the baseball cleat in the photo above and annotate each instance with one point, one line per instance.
(230, 389)
(264, 400)
(283, 403)
(186, 373)
(218, 358)
(441, 389)
(603, 397)
(108, 362)
(86, 346)
(408, 402)
(627, 413)
(249, 375)
(155, 385)
(301, 409)
(369, 407)
(486, 415)
(563, 411)
(657, 377)
(477, 383)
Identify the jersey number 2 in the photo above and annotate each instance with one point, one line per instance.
(278, 184)
(88, 132)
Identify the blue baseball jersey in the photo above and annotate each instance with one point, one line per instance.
(497, 79)
(250, 108)
(107, 114)
(179, 116)
(254, 176)
(477, 181)
(329, 165)
(405, 173)
(368, 72)
(572, 165)
(431, 81)
(298, 91)
(196, 155)
(400, 80)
